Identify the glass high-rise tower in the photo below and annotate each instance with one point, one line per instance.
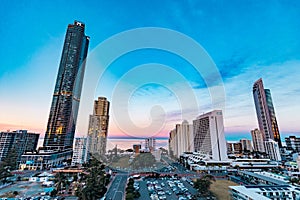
(65, 102)
(265, 112)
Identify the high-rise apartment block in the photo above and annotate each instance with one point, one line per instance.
(234, 147)
(265, 113)
(173, 143)
(209, 135)
(98, 127)
(79, 152)
(181, 139)
(20, 140)
(246, 145)
(293, 143)
(58, 142)
(150, 144)
(257, 139)
(66, 97)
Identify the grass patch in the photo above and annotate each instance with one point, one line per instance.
(122, 162)
(220, 189)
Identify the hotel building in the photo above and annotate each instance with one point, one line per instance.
(209, 135)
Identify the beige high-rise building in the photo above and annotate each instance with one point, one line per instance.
(98, 127)
(181, 139)
(257, 139)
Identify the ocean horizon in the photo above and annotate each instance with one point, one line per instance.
(126, 143)
(123, 142)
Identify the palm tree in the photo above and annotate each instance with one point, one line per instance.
(60, 181)
(4, 173)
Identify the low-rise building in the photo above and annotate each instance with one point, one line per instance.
(137, 148)
(46, 158)
(264, 192)
(248, 163)
(264, 178)
(293, 143)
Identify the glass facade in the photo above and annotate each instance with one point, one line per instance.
(273, 117)
(65, 103)
(265, 112)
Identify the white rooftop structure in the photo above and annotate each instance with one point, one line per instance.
(264, 192)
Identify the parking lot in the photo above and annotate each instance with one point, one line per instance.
(25, 189)
(166, 188)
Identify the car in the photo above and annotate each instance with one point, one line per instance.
(179, 192)
(184, 189)
(154, 197)
(163, 197)
(182, 198)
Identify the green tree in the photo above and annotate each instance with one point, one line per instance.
(4, 174)
(294, 180)
(60, 181)
(203, 184)
(131, 193)
(8, 164)
(10, 160)
(93, 182)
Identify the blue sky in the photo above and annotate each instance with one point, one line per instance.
(246, 40)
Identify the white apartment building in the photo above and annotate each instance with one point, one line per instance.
(150, 144)
(264, 192)
(79, 151)
(273, 150)
(209, 135)
(181, 139)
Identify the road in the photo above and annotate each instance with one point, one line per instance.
(117, 187)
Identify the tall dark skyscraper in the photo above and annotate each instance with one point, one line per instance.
(265, 112)
(65, 102)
